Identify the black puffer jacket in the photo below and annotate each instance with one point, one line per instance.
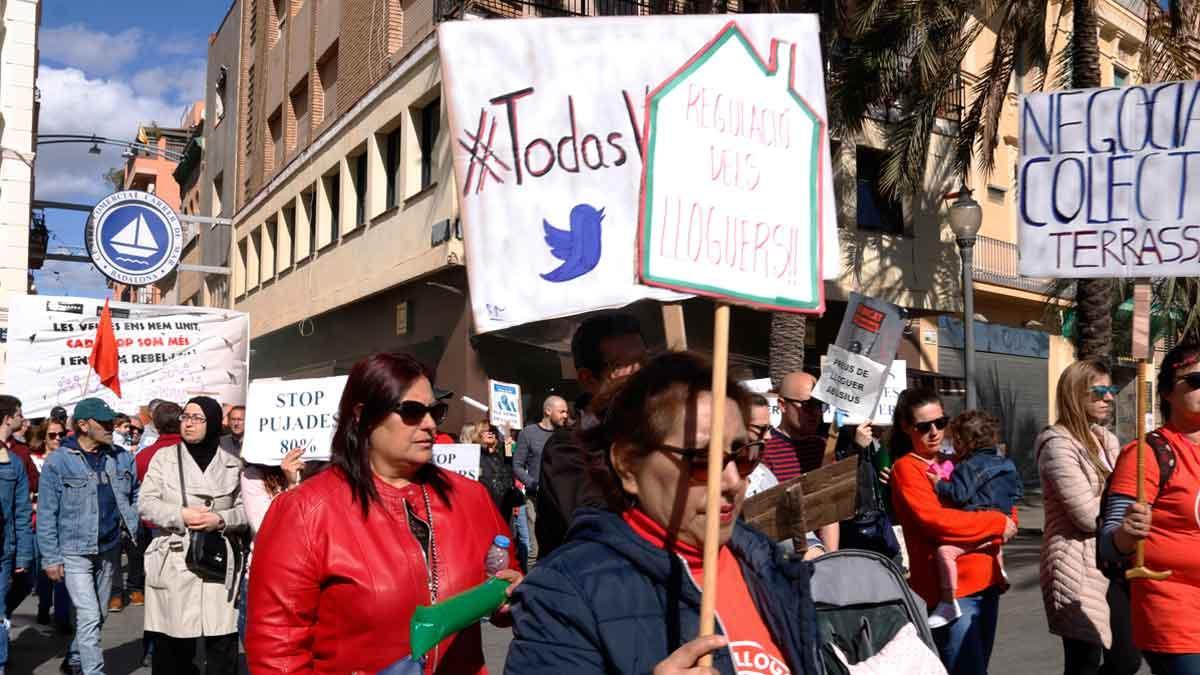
(608, 601)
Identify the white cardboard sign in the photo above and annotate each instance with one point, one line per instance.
(548, 147)
(504, 408)
(850, 382)
(897, 379)
(1106, 182)
(461, 458)
(167, 352)
(286, 414)
(731, 197)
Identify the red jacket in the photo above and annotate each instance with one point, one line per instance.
(31, 471)
(927, 524)
(331, 592)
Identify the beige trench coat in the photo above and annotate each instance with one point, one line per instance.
(178, 603)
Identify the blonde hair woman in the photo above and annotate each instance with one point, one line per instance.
(1075, 457)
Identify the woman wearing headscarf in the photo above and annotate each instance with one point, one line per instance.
(181, 607)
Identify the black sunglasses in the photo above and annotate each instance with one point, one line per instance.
(106, 425)
(412, 412)
(811, 405)
(53, 435)
(924, 427)
(134, 430)
(745, 456)
(1191, 379)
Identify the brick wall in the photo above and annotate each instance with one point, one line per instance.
(371, 31)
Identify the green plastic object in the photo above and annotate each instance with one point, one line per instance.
(431, 625)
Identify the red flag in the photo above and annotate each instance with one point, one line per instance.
(103, 359)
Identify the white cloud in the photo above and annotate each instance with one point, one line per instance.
(74, 103)
(181, 81)
(182, 45)
(94, 51)
(69, 173)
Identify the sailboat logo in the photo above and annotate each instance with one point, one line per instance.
(136, 241)
(134, 237)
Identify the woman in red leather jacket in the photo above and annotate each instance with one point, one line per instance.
(342, 561)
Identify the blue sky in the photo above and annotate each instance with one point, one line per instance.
(105, 68)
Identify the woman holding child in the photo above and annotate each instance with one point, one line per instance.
(965, 642)
(1075, 457)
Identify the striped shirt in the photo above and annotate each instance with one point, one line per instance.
(788, 458)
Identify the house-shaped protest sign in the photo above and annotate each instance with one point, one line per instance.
(731, 186)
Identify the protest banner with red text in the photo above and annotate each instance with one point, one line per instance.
(167, 352)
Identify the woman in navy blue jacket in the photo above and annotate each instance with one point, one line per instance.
(622, 595)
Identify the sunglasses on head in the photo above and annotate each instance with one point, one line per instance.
(924, 427)
(745, 456)
(1191, 379)
(1100, 391)
(412, 412)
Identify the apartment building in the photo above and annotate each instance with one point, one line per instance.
(19, 21)
(347, 239)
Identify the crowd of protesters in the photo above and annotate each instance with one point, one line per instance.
(318, 567)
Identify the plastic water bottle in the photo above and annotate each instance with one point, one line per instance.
(497, 555)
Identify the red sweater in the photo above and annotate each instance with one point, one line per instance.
(142, 459)
(927, 524)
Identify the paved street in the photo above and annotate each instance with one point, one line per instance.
(1023, 644)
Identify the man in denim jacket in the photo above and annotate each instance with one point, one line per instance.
(16, 512)
(88, 494)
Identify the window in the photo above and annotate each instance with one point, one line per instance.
(250, 121)
(286, 237)
(431, 116)
(333, 186)
(358, 178)
(876, 212)
(327, 72)
(218, 190)
(306, 226)
(299, 108)
(275, 148)
(1120, 76)
(219, 90)
(391, 166)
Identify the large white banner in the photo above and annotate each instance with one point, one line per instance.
(286, 414)
(166, 352)
(1106, 182)
(547, 118)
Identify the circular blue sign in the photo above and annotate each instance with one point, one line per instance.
(134, 238)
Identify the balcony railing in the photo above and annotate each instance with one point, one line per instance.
(448, 10)
(996, 263)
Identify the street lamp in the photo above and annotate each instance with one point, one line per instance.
(95, 149)
(965, 218)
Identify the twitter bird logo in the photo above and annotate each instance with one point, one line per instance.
(579, 247)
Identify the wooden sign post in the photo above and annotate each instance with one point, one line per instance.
(1142, 351)
(734, 216)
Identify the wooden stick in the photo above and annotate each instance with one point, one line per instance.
(674, 328)
(716, 456)
(1139, 569)
(87, 382)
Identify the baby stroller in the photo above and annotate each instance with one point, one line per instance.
(870, 620)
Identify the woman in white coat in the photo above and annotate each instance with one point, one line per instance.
(180, 606)
(1075, 457)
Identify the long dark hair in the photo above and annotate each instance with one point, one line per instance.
(1182, 356)
(377, 383)
(910, 400)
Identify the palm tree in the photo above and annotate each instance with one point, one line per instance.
(1093, 297)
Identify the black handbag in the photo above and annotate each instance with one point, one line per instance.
(208, 553)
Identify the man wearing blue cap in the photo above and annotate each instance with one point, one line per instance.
(87, 495)
(16, 512)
